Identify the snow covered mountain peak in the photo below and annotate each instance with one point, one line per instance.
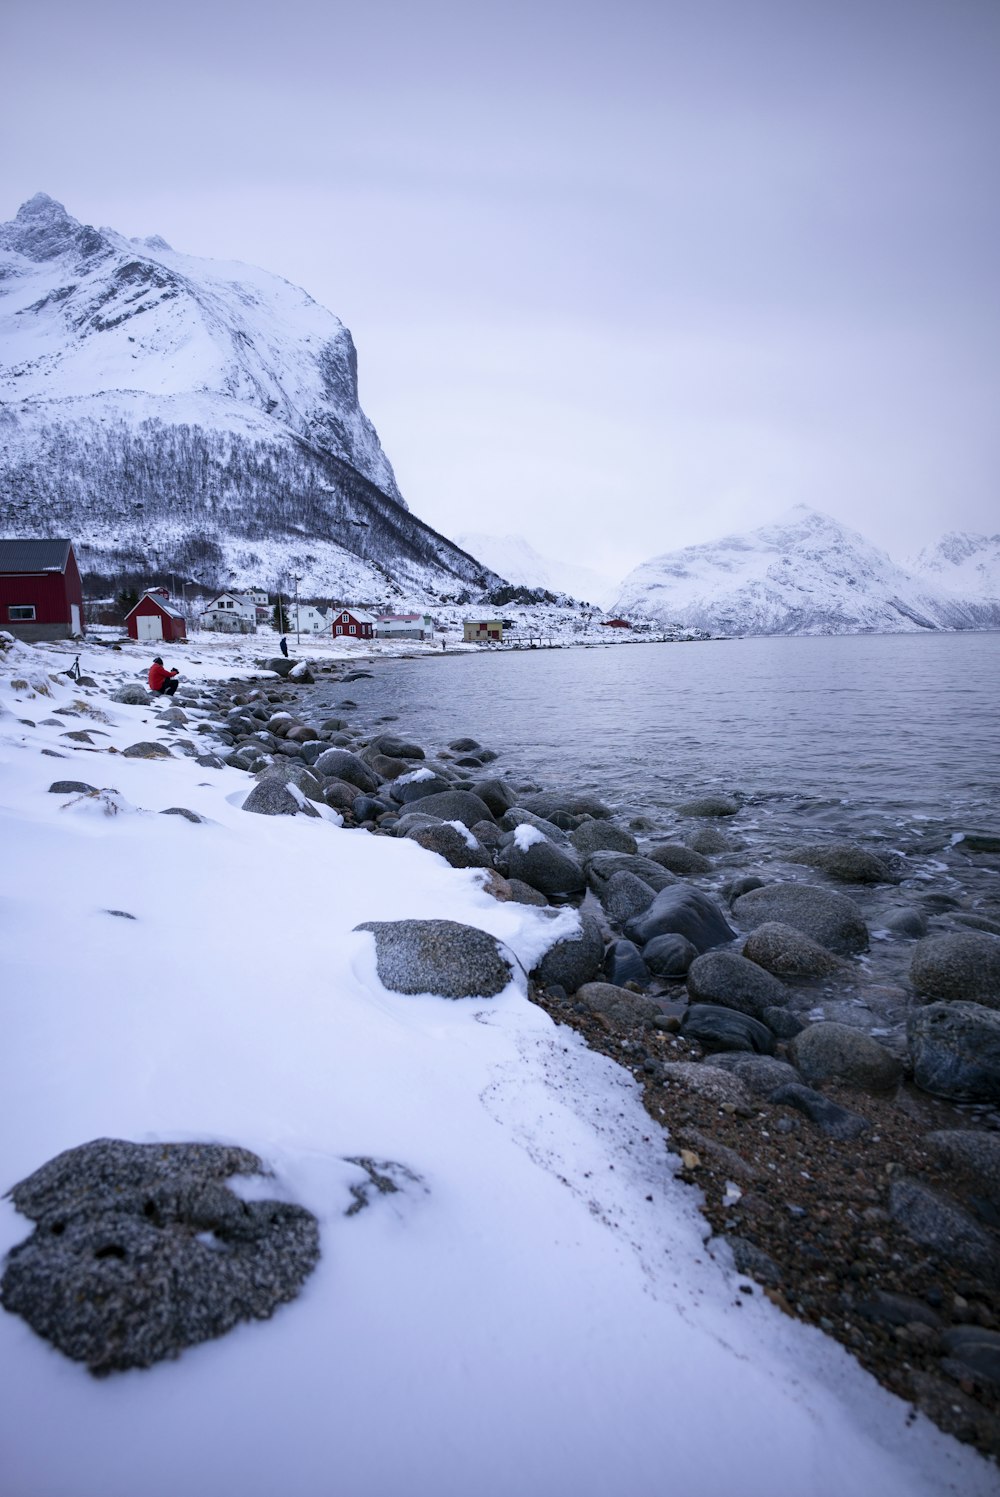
(173, 412)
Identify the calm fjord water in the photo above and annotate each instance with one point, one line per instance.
(902, 725)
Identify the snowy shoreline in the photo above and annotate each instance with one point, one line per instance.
(517, 1322)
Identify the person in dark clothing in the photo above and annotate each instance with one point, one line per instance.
(162, 681)
(283, 646)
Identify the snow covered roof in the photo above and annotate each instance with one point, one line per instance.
(34, 556)
(154, 596)
(361, 614)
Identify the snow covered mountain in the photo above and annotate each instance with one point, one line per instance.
(803, 574)
(172, 413)
(517, 560)
(967, 566)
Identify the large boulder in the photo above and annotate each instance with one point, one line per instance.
(514, 816)
(419, 784)
(341, 764)
(619, 1005)
(146, 750)
(603, 865)
(140, 1250)
(825, 916)
(623, 963)
(836, 1052)
(624, 896)
(132, 694)
(955, 1050)
(442, 957)
(683, 911)
(728, 979)
(456, 805)
(709, 805)
(535, 860)
(602, 836)
(669, 955)
(679, 859)
(455, 844)
(845, 862)
(965, 965)
(575, 960)
(760, 1074)
(294, 772)
(785, 952)
(545, 802)
(972, 1156)
(940, 1224)
(391, 745)
(274, 797)
(495, 793)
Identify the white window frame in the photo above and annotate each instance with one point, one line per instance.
(20, 613)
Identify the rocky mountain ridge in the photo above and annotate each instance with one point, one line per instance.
(195, 416)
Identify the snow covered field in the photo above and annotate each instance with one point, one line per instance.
(534, 1313)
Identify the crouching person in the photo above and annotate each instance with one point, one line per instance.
(162, 681)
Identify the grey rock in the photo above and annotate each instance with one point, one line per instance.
(388, 743)
(955, 1050)
(832, 1120)
(146, 751)
(965, 965)
(515, 816)
(741, 884)
(603, 865)
(976, 1350)
(464, 746)
(782, 1023)
(669, 955)
(684, 911)
(709, 840)
(618, 1004)
(709, 805)
(447, 841)
(140, 1250)
(971, 1156)
(132, 694)
(754, 1262)
(760, 1074)
(824, 915)
(623, 963)
(391, 769)
(724, 1029)
(716, 1086)
(940, 1224)
(548, 868)
(341, 764)
(572, 962)
(887, 1308)
(522, 893)
(456, 805)
(274, 798)
(442, 957)
(368, 808)
(294, 772)
(835, 1052)
(624, 896)
(846, 862)
(339, 795)
(731, 980)
(496, 794)
(906, 921)
(785, 952)
(979, 841)
(602, 836)
(71, 787)
(210, 761)
(183, 811)
(548, 801)
(405, 792)
(676, 858)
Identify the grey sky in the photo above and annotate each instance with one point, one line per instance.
(621, 277)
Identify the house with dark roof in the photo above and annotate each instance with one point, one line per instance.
(41, 595)
(154, 617)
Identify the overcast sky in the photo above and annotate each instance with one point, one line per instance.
(621, 276)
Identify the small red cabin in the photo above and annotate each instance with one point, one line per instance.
(41, 595)
(615, 624)
(155, 619)
(354, 623)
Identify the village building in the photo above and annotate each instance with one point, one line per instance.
(404, 626)
(231, 613)
(354, 623)
(482, 631)
(41, 594)
(615, 624)
(154, 617)
(309, 618)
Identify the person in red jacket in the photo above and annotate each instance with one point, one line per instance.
(161, 680)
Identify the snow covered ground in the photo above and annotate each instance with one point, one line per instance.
(536, 1313)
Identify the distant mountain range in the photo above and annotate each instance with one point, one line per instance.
(808, 574)
(176, 414)
(517, 560)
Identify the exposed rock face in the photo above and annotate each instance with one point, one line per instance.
(963, 966)
(831, 919)
(140, 1250)
(438, 956)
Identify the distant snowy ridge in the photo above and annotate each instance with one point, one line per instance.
(517, 560)
(804, 574)
(191, 415)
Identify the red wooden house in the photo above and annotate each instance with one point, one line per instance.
(154, 618)
(41, 595)
(354, 623)
(615, 624)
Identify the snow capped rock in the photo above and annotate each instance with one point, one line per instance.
(964, 564)
(803, 574)
(196, 414)
(517, 560)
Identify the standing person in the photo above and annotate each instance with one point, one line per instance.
(162, 681)
(283, 646)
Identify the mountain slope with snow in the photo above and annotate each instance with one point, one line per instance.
(803, 574)
(517, 560)
(194, 414)
(966, 565)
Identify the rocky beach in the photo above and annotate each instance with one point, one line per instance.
(814, 1022)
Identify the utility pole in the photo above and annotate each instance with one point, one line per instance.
(296, 580)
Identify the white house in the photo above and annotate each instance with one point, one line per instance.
(309, 618)
(231, 613)
(404, 626)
